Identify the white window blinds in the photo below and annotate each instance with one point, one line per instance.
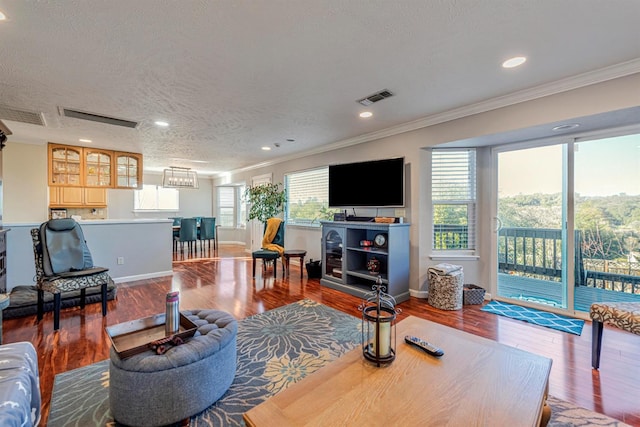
(453, 194)
(226, 206)
(307, 197)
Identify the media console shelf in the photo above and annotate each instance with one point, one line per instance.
(345, 258)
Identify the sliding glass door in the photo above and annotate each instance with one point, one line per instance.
(531, 244)
(568, 223)
(607, 220)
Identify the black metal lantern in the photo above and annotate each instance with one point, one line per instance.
(378, 325)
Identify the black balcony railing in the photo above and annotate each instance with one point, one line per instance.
(538, 253)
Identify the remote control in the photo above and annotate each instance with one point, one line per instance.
(423, 345)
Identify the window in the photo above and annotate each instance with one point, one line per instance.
(231, 211)
(156, 198)
(308, 197)
(453, 193)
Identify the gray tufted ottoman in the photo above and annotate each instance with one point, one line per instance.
(151, 390)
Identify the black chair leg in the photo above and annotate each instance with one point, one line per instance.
(40, 304)
(254, 268)
(56, 311)
(104, 299)
(596, 343)
(83, 297)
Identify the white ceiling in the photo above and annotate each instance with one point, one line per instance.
(232, 76)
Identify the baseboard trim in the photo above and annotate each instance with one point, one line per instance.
(418, 294)
(125, 279)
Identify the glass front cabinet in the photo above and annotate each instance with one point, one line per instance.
(128, 170)
(98, 168)
(332, 252)
(65, 166)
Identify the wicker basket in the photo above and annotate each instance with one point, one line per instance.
(472, 294)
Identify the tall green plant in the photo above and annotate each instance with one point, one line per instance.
(265, 201)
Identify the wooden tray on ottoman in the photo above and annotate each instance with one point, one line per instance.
(133, 337)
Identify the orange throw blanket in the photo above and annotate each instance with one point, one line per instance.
(269, 234)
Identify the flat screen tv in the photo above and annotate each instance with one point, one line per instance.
(375, 184)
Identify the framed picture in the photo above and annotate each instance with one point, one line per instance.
(58, 213)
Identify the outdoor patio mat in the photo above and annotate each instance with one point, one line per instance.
(275, 349)
(537, 317)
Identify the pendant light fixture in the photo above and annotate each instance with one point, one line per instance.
(177, 177)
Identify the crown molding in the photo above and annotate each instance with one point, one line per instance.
(570, 83)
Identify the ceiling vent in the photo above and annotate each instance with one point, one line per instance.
(378, 96)
(22, 116)
(93, 117)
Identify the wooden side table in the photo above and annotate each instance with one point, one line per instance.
(4, 303)
(294, 253)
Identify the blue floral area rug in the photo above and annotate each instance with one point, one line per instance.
(537, 317)
(275, 349)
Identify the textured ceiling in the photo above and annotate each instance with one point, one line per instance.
(232, 76)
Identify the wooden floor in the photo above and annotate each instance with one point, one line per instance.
(223, 281)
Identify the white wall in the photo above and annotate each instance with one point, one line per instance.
(25, 191)
(193, 202)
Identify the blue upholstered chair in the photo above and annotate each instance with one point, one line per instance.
(269, 256)
(176, 232)
(208, 232)
(188, 233)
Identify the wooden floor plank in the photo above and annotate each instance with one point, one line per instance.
(223, 280)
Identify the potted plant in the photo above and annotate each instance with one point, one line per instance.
(265, 201)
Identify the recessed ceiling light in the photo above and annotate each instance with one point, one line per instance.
(514, 62)
(265, 148)
(161, 123)
(2, 16)
(366, 114)
(565, 127)
(85, 140)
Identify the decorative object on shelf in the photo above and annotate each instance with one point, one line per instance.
(366, 243)
(378, 325)
(177, 177)
(373, 265)
(265, 200)
(380, 240)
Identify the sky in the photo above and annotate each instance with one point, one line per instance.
(603, 167)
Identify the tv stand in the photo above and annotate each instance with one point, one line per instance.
(345, 257)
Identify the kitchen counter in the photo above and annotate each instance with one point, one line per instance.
(132, 249)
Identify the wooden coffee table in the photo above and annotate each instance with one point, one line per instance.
(476, 382)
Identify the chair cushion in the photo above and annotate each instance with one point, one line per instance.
(64, 248)
(265, 254)
(623, 315)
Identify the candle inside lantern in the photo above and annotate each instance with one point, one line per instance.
(383, 335)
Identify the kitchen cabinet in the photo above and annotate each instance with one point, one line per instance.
(65, 165)
(98, 167)
(128, 170)
(71, 166)
(72, 197)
